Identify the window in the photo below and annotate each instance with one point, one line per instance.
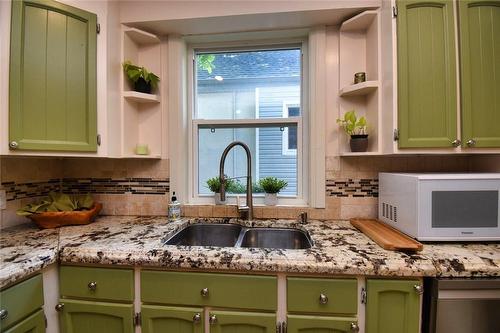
(251, 95)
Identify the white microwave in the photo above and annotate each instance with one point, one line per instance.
(442, 207)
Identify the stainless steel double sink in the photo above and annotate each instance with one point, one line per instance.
(234, 235)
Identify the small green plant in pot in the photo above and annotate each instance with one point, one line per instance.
(214, 185)
(356, 128)
(142, 79)
(272, 186)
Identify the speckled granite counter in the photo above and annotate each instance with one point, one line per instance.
(339, 249)
(24, 250)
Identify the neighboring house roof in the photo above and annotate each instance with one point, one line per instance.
(254, 64)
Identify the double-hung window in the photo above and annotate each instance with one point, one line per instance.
(253, 95)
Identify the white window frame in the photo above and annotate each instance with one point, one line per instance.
(301, 199)
(285, 150)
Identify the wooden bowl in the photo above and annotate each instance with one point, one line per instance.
(50, 220)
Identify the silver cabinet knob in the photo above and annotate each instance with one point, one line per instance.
(471, 143)
(323, 299)
(204, 292)
(13, 145)
(92, 285)
(354, 327)
(3, 314)
(59, 307)
(212, 319)
(197, 318)
(418, 289)
(456, 143)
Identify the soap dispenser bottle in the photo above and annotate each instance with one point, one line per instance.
(174, 209)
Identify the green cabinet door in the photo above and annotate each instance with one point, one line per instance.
(480, 70)
(165, 319)
(95, 317)
(427, 96)
(393, 306)
(52, 91)
(33, 324)
(242, 322)
(319, 324)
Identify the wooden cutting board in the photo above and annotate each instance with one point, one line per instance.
(386, 236)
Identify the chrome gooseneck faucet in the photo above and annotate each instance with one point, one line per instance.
(249, 207)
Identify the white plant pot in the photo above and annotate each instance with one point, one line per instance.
(271, 199)
(217, 199)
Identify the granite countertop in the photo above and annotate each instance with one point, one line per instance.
(339, 249)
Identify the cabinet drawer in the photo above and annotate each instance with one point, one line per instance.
(21, 300)
(97, 283)
(334, 296)
(222, 290)
(33, 324)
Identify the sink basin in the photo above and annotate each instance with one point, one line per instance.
(276, 238)
(223, 235)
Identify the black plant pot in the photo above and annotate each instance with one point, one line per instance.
(359, 142)
(142, 86)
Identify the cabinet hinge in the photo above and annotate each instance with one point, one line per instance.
(98, 139)
(363, 296)
(137, 319)
(98, 28)
(394, 11)
(45, 318)
(396, 135)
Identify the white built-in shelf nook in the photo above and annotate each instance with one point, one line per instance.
(141, 115)
(359, 48)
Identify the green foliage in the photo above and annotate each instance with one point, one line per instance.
(135, 72)
(272, 184)
(58, 202)
(214, 184)
(206, 62)
(238, 188)
(352, 125)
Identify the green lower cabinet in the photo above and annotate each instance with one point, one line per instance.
(320, 324)
(393, 306)
(165, 319)
(33, 324)
(95, 317)
(242, 322)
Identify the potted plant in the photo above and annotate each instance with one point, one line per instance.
(143, 79)
(272, 186)
(356, 128)
(214, 186)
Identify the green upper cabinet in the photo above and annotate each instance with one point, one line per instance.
(159, 319)
(393, 306)
(52, 77)
(427, 98)
(479, 23)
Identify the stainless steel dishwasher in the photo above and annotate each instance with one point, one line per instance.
(461, 306)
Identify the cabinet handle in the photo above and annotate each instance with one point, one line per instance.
(354, 327)
(196, 318)
(92, 285)
(3, 314)
(323, 299)
(204, 292)
(471, 143)
(13, 145)
(59, 307)
(418, 289)
(212, 319)
(456, 143)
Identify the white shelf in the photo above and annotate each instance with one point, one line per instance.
(154, 157)
(359, 22)
(366, 153)
(359, 89)
(141, 97)
(141, 37)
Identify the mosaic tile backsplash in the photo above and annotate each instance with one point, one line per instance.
(356, 188)
(116, 186)
(15, 191)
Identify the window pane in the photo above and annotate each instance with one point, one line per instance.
(247, 85)
(266, 146)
